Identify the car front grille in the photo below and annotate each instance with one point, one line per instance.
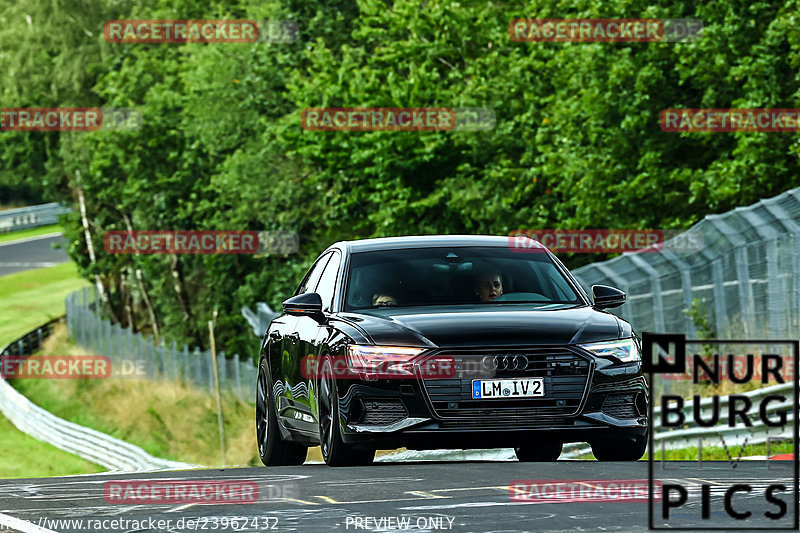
(565, 373)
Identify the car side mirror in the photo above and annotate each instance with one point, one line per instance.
(606, 297)
(308, 304)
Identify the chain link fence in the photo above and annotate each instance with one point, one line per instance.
(744, 275)
(137, 355)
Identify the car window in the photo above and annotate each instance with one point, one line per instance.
(327, 283)
(455, 276)
(309, 283)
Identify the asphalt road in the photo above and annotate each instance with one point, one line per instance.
(35, 252)
(462, 496)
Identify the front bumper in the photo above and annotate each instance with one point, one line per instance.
(585, 398)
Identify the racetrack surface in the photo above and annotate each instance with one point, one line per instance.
(469, 496)
(34, 252)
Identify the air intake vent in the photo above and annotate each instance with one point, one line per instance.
(620, 406)
(382, 412)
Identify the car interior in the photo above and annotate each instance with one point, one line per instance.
(449, 279)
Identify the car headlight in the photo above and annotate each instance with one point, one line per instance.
(625, 350)
(373, 362)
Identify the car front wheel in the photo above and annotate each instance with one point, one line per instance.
(539, 452)
(622, 448)
(335, 451)
(273, 450)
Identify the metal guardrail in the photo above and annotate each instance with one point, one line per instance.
(92, 445)
(31, 341)
(31, 217)
(687, 437)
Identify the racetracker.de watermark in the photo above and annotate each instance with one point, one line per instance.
(70, 119)
(55, 367)
(730, 120)
(181, 31)
(200, 242)
(579, 490)
(149, 523)
(365, 365)
(180, 492)
(603, 240)
(605, 30)
(397, 119)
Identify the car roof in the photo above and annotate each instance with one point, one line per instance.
(425, 241)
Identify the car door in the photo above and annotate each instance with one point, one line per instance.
(285, 355)
(313, 334)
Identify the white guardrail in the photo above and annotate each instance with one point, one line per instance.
(30, 217)
(99, 448)
(688, 436)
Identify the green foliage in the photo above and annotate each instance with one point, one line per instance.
(698, 313)
(577, 142)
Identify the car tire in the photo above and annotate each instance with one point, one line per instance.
(622, 448)
(335, 452)
(539, 453)
(273, 450)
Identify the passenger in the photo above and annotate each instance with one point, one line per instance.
(488, 285)
(383, 299)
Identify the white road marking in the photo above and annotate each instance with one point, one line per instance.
(181, 508)
(424, 494)
(22, 525)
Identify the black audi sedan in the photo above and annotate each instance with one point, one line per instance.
(448, 342)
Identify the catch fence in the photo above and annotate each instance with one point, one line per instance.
(137, 354)
(745, 273)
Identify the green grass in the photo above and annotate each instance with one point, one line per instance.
(31, 298)
(33, 232)
(165, 418)
(24, 456)
(28, 299)
(717, 453)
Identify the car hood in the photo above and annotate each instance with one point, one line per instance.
(490, 327)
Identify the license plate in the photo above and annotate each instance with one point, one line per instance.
(507, 388)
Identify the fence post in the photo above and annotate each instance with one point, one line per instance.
(775, 299)
(222, 366)
(237, 373)
(197, 361)
(210, 367)
(162, 349)
(185, 376)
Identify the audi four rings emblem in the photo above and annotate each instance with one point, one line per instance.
(505, 362)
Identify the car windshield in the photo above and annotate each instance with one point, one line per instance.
(454, 276)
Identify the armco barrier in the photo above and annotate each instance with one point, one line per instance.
(31, 217)
(94, 446)
(31, 341)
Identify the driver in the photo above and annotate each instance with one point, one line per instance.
(488, 285)
(382, 298)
